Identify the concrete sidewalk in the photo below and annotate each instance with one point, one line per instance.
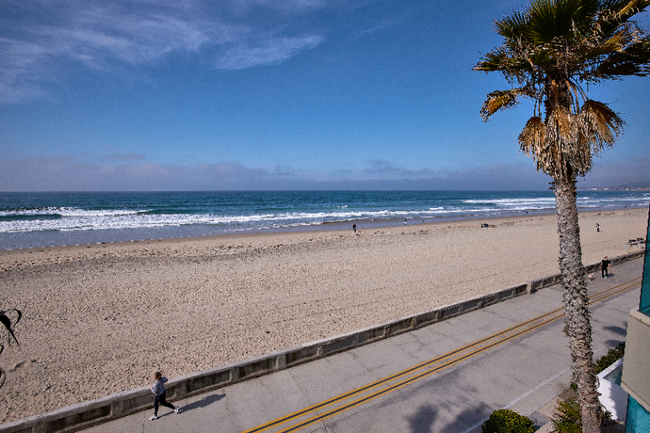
(454, 394)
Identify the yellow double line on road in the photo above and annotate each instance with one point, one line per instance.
(359, 396)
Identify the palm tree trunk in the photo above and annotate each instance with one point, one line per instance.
(577, 323)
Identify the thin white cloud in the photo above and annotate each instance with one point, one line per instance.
(268, 52)
(21, 76)
(44, 41)
(137, 37)
(290, 7)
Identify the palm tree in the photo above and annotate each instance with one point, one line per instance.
(550, 50)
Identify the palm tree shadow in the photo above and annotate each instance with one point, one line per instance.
(204, 402)
(422, 420)
(472, 417)
(617, 330)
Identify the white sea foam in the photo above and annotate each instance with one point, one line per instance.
(519, 203)
(70, 212)
(110, 220)
(71, 219)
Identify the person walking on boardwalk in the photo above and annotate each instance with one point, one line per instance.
(604, 265)
(158, 389)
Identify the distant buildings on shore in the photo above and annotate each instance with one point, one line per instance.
(635, 188)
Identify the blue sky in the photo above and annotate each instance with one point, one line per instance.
(271, 94)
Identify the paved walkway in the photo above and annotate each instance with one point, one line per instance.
(447, 377)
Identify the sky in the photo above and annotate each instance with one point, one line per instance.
(155, 95)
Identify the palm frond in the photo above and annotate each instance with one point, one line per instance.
(564, 145)
(632, 8)
(499, 100)
(587, 14)
(633, 60)
(492, 61)
(572, 140)
(532, 139)
(613, 44)
(551, 19)
(600, 124)
(541, 57)
(500, 60)
(512, 26)
(534, 142)
(614, 5)
(614, 13)
(569, 419)
(560, 125)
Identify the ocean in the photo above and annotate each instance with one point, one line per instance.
(30, 220)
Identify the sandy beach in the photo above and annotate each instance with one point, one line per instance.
(99, 319)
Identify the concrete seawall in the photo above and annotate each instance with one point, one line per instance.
(89, 413)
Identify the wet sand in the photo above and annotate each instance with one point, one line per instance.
(100, 319)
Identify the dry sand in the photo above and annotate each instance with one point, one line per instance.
(101, 319)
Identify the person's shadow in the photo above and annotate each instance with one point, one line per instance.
(204, 402)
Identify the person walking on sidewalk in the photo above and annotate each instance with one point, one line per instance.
(158, 389)
(604, 265)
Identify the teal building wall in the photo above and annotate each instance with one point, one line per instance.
(638, 418)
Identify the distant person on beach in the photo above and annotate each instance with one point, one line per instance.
(354, 227)
(158, 389)
(598, 227)
(404, 221)
(604, 265)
